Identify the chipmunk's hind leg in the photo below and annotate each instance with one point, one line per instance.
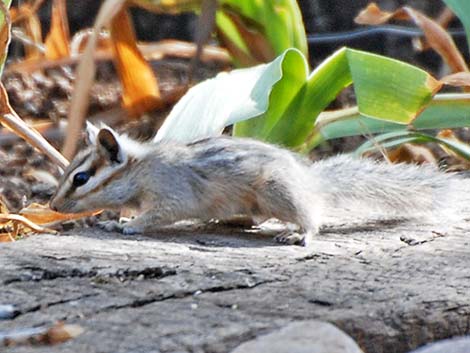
(280, 201)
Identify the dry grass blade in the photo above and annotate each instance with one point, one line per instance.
(85, 74)
(26, 17)
(444, 18)
(458, 79)
(436, 36)
(12, 121)
(58, 40)
(205, 26)
(150, 51)
(181, 49)
(80, 38)
(140, 86)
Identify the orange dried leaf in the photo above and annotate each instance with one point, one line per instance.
(409, 153)
(18, 15)
(61, 333)
(42, 214)
(448, 134)
(373, 15)
(44, 335)
(58, 40)
(25, 222)
(6, 238)
(140, 86)
(436, 36)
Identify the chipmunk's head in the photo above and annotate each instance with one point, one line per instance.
(87, 183)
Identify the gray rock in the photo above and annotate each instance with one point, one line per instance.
(452, 345)
(302, 337)
(7, 312)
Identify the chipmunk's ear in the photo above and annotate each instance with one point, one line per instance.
(91, 133)
(108, 145)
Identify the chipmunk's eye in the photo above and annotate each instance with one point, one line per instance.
(80, 179)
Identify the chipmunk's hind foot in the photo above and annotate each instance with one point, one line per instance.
(289, 237)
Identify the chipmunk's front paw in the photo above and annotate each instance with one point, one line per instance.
(130, 230)
(290, 238)
(120, 227)
(110, 226)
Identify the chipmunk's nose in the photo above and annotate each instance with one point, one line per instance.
(52, 206)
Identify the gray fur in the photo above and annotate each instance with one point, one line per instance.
(220, 177)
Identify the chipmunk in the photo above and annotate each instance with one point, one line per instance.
(219, 177)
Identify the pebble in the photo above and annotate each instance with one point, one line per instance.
(302, 337)
(451, 345)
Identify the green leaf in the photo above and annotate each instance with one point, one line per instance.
(397, 138)
(296, 121)
(386, 89)
(445, 111)
(294, 72)
(280, 22)
(287, 101)
(389, 89)
(462, 9)
(231, 97)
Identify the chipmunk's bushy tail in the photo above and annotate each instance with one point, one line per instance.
(367, 188)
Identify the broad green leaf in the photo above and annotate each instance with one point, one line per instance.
(462, 9)
(386, 89)
(389, 89)
(444, 111)
(294, 123)
(287, 100)
(230, 97)
(294, 70)
(397, 138)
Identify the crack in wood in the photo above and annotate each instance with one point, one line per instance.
(54, 303)
(38, 274)
(140, 302)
